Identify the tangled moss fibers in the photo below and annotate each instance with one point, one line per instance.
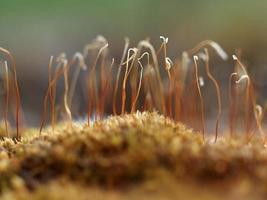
(126, 152)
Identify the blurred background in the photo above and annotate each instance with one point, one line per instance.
(34, 30)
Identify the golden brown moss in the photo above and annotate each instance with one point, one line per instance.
(128, 150)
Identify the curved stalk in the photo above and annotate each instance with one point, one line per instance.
(218, 92)
(200, 97)
(18, 102)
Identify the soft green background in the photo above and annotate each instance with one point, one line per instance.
(52, 25)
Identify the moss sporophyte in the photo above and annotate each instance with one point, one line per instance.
(132, 128)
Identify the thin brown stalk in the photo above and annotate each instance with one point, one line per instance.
(18, 104)
(118, 76)
(151, 83)
(146, 80)
(103, 79)
(106, 88)
(245, 76)
(126, 74)
(235, 58)
(6, 98)
(168, 66)
(178, 100)
(66, 65)
(232, 102)
(53, 88)
(51, 84)
(176, 87)
(66, 84)
(146, 44)
(51, 96)
(218, 92)
(165, 41)
(145, 54)
(258, 113)
(92, 79)
(200, 96)
(50, 75)
(81, 66)
(99, 43)
(259, 117)
(139, 88)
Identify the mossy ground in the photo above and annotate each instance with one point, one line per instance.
(139, 156)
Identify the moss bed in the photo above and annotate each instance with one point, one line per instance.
(139, 156)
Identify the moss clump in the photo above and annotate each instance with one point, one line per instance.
(127, 151)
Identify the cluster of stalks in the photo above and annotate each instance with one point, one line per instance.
(15, 89)
(144, 79)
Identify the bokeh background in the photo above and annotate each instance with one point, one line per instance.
(33, 30)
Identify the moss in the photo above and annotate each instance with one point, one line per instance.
(127, 151)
